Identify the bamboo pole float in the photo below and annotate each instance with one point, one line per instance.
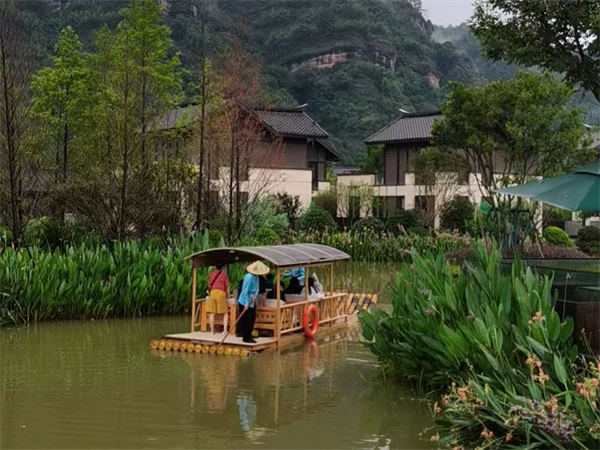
(278, 312)
(193, 297)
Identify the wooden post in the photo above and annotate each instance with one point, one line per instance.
(331, 279)
(193, 297)
(305, 284)
(278, 312)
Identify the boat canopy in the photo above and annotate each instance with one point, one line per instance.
(294, 255)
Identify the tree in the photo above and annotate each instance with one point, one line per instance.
(246, 153)
(61, 101)
(437, 181)
(138, 80)
(512, 130)
(372, 161)
(558, 35)
(19, 166)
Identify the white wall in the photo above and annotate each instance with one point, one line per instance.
(272, 181)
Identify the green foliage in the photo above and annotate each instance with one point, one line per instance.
(61, 101)
(456, 214)
(567, 43)
(51, 233)
(497, 341)
(403, 218)
(442, 327)
(128, 280)
(527, 118)
(369, 246)
(265, 214)
(327, 200)
(372, 161)
(267, 236)
(372, 224)
(289, 205)
(556, 236)
(316, 219)
(554, 214)
(588, 240)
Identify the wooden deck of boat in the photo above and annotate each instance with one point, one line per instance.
(205, 338)
(262, 343)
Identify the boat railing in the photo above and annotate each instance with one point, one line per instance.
(330, 309)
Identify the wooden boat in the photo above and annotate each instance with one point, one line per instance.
(281, 325)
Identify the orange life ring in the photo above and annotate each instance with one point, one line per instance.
(310, 329)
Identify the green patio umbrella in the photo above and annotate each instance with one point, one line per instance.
(577, 191)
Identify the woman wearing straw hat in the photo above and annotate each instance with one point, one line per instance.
(246, 299)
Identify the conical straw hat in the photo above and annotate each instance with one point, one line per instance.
(258, 268)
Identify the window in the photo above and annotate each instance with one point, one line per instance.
(395, 203)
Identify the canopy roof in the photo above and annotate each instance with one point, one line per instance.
(294, 255)
(577, 191)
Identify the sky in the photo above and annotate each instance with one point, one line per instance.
(447, 12)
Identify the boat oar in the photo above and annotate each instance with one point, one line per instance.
(229, 331)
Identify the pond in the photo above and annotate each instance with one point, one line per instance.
(98, 385)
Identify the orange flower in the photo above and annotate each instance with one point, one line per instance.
(487, 434)
(538, 317)
(508, 437)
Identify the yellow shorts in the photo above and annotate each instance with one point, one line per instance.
(217, 302)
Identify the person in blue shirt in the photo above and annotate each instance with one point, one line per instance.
(247, 299)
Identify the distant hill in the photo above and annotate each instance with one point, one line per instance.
(355, 62)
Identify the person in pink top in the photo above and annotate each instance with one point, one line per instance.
(218, 291)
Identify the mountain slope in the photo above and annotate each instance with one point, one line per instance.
(355, 62)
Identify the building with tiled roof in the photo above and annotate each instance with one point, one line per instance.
(306, 153)
(408, 127)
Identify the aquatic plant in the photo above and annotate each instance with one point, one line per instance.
(494, 342)
(443, 324)
(125, 280)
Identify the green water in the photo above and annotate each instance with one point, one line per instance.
(98, 385)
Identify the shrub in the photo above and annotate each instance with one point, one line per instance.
(327, 200)
(588, 240)
(290, 206)
(456, 214)
(406, 218)
(266, 236)
(316, 219)
(369, 224)
(556, 236)
(418, 231)
(50, 232)
(545, 251)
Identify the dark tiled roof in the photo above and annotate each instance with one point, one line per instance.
(290, 122)
(406, 128)
(181, 116)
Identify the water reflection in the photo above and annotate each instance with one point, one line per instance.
(96, 385)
